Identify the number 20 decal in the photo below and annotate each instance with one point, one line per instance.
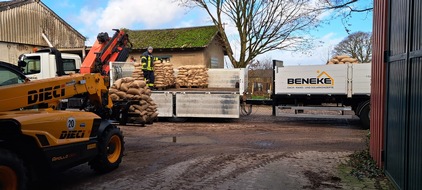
(71, 123)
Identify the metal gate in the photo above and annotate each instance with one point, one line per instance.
(403, 132)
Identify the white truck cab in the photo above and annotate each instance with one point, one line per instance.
(42, 65)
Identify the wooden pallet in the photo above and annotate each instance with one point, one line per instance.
(164, 87)
(201, 86)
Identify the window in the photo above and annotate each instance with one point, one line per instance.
(214, 62)
(8, 77)
(33, 65)
(69, 65)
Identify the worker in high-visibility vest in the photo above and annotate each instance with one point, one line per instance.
(147, 60)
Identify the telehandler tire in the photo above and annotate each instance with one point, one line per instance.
(12, 171)
(111, 148)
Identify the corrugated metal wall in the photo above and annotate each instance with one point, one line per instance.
(403, 127)
(24, 24)
(415, 98)
(378, 81)
(397, 91)
(415, 124)
(10, 52)
(396, 118)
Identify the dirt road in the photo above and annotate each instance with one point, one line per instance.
(253, 152)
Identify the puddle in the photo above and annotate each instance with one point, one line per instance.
(187, 140)
(264, 143)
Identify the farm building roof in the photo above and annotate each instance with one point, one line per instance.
(193, 37)
(4, 5)
(33, 11)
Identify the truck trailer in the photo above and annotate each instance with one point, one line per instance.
(220, 99)
(339, 87)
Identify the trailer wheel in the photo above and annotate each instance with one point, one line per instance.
(110, 151)
(365, 116)
(245, 109)
(12, 171)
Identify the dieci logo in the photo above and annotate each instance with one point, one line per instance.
(323, 79)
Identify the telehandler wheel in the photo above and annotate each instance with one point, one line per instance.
(110, 147)
(12, 171)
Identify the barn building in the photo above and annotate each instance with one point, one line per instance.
(27, 25)
(183, 46)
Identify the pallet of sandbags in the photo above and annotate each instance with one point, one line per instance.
(191, 76)
(164, 75)
(169, 77)
(159, 74)
(342, 59)
(144, 110)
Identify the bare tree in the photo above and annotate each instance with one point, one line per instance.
(357, 45)
(262, 25)
(327, 53)
(262, 64)
(345, 8)
(349, 5)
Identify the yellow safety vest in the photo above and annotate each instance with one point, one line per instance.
(148, 62)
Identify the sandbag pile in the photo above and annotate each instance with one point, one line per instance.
(137, 73)
(169, 77)
(192, 76)
(342, 59)
(164, 74)
(130, 88)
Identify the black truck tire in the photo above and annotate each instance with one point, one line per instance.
(122, 119)
(110, 151)
(12, 171)
(364, 116)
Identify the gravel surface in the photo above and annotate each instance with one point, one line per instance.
(254, 152)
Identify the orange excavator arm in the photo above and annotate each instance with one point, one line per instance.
(105, 50)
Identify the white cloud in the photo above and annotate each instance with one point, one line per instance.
(125, 13)
(318, 56)
(132, 14)
(65, 4)
(88, 16)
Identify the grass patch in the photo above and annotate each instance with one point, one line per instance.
(361, 170)
(255, 97)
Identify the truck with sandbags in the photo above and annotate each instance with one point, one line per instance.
(188, 91)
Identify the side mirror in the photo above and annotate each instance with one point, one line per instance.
(21, 63)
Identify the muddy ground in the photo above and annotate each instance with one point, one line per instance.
(254, 152)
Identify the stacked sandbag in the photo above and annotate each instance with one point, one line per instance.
(192, 76)
(169, 78)
(159, 74)
(138, 74)
(342, 59)
(164, 75)
(130, 88)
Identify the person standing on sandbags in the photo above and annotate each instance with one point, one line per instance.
(147, 60)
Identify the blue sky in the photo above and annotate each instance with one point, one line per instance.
(90, 17)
